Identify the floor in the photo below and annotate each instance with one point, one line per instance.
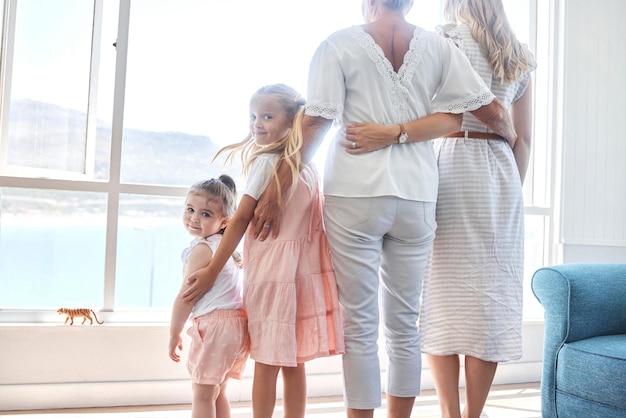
(507, 401)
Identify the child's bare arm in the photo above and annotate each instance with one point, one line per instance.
(199, 257)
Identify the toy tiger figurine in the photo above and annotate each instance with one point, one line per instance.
(78, 312)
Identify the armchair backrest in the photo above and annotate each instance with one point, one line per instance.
(582, 300)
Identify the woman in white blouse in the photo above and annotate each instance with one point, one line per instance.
(380, 183)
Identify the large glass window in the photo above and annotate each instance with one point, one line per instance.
(51, 248)
(47, 126)
(150, 240)
(48, 81)
(111, 109)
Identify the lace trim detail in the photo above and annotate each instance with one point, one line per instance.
(473, 102)
(414, 55)
(325, 110)
(394, 81)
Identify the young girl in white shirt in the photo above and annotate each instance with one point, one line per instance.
(219, 334)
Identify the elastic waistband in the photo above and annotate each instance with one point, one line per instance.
(468, 134)
(223, 313)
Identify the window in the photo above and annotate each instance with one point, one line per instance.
(111, 109)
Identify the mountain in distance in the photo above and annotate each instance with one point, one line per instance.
(45, 135)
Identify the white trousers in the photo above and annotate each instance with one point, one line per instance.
(380, 247)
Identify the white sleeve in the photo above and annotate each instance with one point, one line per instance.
(326, 87)
(259, 176)
(461, 88)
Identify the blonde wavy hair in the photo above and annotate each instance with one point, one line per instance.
(508, 58)
(288, 149)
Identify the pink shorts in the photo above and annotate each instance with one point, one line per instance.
(219, 346)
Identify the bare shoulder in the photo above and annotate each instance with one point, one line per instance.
(200, 253)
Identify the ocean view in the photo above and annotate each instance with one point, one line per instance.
(63, 265)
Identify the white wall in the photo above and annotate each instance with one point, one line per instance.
(62, 366)
(594, 144)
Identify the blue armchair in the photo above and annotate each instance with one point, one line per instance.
(584, 353)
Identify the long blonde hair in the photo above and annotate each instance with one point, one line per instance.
(508, 58)
(287, 149)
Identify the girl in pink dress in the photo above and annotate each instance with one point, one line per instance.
(290, 292)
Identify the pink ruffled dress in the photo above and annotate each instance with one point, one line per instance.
(290, 293)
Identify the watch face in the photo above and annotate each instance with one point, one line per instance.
(403, 138)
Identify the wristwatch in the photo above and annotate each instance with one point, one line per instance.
(403, 135)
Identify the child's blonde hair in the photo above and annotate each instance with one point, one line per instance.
(508, 58)
(224, 190)
(288, 148)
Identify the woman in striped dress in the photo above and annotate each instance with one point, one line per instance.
(472, 295)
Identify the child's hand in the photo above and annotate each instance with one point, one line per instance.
(175, 343)
(197, 286)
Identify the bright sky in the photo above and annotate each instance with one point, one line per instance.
(222, 56)
(193, 64)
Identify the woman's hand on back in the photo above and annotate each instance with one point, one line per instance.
(267, 214)
(362, 138)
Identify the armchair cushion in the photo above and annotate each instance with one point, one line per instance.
(598, 359)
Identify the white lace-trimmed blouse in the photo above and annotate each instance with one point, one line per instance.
(351, 80)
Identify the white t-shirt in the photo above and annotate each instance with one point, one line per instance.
(351, 80)
(260, 175)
